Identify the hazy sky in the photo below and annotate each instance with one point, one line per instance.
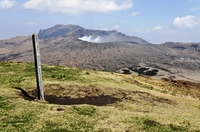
(156, 21)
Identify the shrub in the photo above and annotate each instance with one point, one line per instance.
(126, 71)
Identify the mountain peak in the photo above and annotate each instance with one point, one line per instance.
(57, 30)
(77, 32)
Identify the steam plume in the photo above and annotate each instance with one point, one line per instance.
(91, 39)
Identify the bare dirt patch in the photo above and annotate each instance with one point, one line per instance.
(75, 94)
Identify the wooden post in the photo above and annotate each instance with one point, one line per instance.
(38, 68)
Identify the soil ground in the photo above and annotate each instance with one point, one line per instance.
(92, 95)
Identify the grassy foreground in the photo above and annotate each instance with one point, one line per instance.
(93, 101)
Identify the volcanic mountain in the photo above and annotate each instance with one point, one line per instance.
(65, 45)
(76, 31)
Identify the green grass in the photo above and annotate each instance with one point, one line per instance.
(148, 108)
(149, 124)
(18, 74)
(85, 110)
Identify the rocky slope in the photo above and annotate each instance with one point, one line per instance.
(76, 31)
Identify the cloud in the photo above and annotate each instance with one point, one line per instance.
(116, 26)
(135, 13)
(30, 24)
(146, 31)
(78, 6)
(5, 4)
(157, 28)
(184, 22)
(105, 29)
(195, 9)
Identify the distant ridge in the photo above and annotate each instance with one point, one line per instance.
(78, 31)
(58, 30)
(68, 45)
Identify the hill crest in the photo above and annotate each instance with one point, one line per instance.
(90, 35)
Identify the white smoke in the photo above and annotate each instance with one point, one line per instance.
(98, 39)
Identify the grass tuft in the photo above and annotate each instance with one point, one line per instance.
(87, 110)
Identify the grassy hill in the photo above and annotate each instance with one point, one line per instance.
(85, 101)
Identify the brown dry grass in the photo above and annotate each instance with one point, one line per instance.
(97, 101)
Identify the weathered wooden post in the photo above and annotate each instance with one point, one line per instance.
(38, 68)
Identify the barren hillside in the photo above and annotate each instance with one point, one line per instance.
(62, 46)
